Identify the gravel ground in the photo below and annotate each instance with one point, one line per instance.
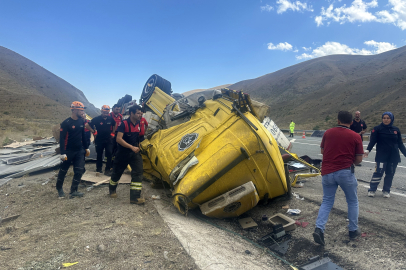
(96, 231)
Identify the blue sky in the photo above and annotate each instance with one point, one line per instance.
(110, 48)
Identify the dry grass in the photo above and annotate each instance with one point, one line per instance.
(19, 129)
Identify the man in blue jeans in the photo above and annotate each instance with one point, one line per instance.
(341, 149)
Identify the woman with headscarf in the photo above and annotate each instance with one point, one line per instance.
(388, 142)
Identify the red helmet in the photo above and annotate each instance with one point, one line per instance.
(105, 108)
(76, 105)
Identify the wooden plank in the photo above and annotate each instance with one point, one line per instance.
(99, 178)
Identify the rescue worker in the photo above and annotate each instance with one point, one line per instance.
(128, 153)
(87, 132)
(388, 142)
(118, 117)
(72, 146)
(144, 127)
(358, 126)
(104, 125)
(292, 128)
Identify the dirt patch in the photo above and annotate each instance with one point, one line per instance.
(95, 231)
(379, 248)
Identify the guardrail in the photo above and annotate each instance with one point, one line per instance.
(310, 132)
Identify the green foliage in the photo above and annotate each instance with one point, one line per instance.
(316, 128)
(6, 113)
(327, 118)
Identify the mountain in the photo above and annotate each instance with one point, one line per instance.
(29, 91)
(311, 93)
(187, 93)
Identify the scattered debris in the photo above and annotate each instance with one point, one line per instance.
(294, 212)
(297, 196)
(248, 252)
(316, 263)
(5, 248)
(287, 223)
(69, 264)
(247, 223)
(99, 178)
(281, 249)
(155, 197)
(285, 207)
(166, 255)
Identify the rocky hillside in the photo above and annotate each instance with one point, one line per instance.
(312, 92)
(29, 91)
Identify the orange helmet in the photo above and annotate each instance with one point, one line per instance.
(76, 105)
(105, 108)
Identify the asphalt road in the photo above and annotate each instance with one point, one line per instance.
(387, 213)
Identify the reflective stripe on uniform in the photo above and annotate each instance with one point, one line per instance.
(113, 183)
(136, 186)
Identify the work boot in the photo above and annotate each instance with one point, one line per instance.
(113, 194)
(75, 194)
(107, 172)
(318, 236)
(138, 201)
(61, 194)
(354, 234)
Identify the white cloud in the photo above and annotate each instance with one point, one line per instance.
(285, 5)
(397, 16)
(281, 46)
(330, 48)
(358, 12)
(380, 47)
(266, 8)
(307, 49)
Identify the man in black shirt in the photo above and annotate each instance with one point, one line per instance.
(105, 125)
(128, 153)
(72, 146)
(358, 125)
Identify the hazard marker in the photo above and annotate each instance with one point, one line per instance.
(304, 135)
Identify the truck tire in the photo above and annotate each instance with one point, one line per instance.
(152, 82)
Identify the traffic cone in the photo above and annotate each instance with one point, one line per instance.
(304, 135)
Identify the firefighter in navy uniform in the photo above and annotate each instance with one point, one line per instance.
(105, 125)
(72, 146)
(118, 117)
(128, 153)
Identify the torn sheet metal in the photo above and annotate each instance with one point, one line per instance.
(193, 161)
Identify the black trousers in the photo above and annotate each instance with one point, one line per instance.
(100, 147)
(75, 158)
(383, 167)
(114, 147)
(121, 161)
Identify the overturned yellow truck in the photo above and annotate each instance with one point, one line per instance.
(212, 150)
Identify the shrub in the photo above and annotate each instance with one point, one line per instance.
(316, 128)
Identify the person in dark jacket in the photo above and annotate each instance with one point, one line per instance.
(388, 142)
(73, 148)
(105, 125)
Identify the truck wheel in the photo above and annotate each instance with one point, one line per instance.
(152, 82)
